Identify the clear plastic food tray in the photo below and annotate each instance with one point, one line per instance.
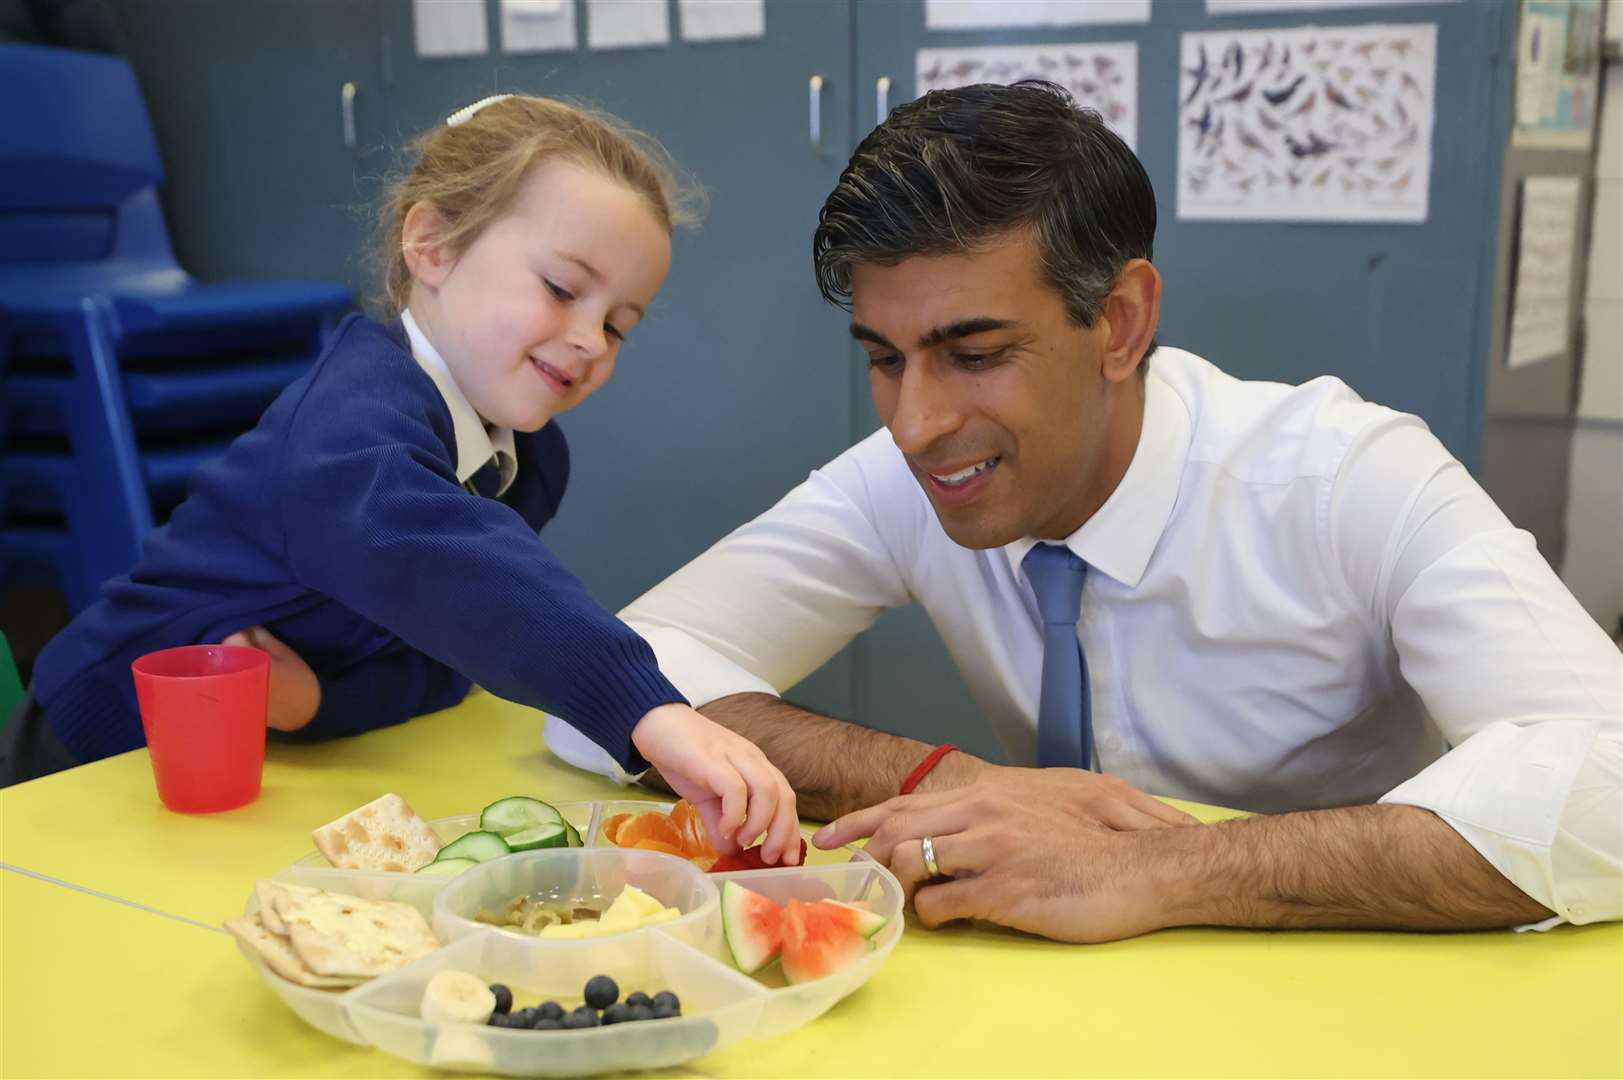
(687, 955)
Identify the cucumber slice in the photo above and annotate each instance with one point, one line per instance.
(516, 813)
(478, 846)
(549, 835)
(573, 835)
(447, 867)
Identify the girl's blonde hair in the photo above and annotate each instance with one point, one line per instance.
(472, 171)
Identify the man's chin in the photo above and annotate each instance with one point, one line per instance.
(975, 527)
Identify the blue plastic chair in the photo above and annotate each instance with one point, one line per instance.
(104, 337)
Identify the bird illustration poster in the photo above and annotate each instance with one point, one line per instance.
(1311, 123)
(1099, 75)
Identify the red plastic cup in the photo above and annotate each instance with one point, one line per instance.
(203, 709)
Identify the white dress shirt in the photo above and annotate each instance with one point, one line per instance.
(1297, 600)
(476, 443)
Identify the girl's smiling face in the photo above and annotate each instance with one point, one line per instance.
(531, 316)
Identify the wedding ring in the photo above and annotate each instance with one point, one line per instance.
(928, 847)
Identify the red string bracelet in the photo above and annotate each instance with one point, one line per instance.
(923, 768)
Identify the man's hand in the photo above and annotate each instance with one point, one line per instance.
(295, 693)
(1087, 796)
(1013, 858)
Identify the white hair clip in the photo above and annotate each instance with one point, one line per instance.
(462, 114)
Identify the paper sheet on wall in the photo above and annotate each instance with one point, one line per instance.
(1541, 291)
(531, 26)
(1100, 75)
(1251, 7)
(992, 14)
(1311, 123)
(1557, 73)
(722, 20)
(627, 24)
(450, 27)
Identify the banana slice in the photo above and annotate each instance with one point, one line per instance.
(455, 997)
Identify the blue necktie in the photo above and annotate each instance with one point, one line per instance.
(1065, 718)
(487, 481)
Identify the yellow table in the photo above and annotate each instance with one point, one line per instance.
(113, 966)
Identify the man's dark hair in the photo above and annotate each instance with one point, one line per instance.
(956, 168)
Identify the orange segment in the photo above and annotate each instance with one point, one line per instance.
(650, 827)
(657, 845)
(611, 827)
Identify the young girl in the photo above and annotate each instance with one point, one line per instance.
(377, 531)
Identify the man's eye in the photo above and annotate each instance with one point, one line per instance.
(887, 362)
(561, 293)
(975, 361)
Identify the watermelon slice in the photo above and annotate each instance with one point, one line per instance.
(867, 923)
(820, 939)
(753, 926)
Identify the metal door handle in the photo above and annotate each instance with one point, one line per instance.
(881, 90)
(817, 114)
(346, 99)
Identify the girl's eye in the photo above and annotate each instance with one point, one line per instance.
(561, 293)
(613, 332)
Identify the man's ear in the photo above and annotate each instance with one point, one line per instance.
(422, 242)
(1132, 310)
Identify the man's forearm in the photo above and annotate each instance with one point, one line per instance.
(1395, 867)
(835, 767)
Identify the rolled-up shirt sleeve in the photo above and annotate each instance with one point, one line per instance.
(1522, 683)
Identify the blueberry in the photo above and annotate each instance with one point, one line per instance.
(637, 997)
(641, 1012)
(504, 997)
(544, 1024)
(617, 1013)
(551, 1010)
(583, 1017)
(664, 1011)
(669, 1001)
(504, 1020)
(601, 992)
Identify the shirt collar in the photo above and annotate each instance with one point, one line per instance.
(475, 444)
(1120, 537)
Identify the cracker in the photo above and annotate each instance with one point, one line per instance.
(385, 834)
(265, 891)
(279, 956)
(347, 936)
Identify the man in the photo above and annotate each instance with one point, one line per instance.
(1287, 600)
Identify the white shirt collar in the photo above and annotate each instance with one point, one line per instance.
(1120, 537)
(475, 444)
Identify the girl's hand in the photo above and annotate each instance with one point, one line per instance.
(295, 693)
(737, 791)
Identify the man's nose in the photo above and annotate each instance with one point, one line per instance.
(925, 411)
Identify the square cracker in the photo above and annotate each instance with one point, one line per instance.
(385, 834)
(279, 956)
(348, 936)
(266, 891)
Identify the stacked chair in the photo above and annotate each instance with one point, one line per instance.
(119, 372)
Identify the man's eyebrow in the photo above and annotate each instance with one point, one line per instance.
(597, 275)
(959, 328)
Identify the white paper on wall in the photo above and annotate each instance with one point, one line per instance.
(627, 24)
(991, 14)
(1541, 303)
(722, 20)
(1312, 123)
(1100, 75)
(531, 26)
(1251, 7)
(450, 27)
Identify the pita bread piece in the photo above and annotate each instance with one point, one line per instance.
(347, 936)
(279, 956)
(385, 834)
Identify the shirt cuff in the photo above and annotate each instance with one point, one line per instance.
(698, 671)
(1504, 790)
